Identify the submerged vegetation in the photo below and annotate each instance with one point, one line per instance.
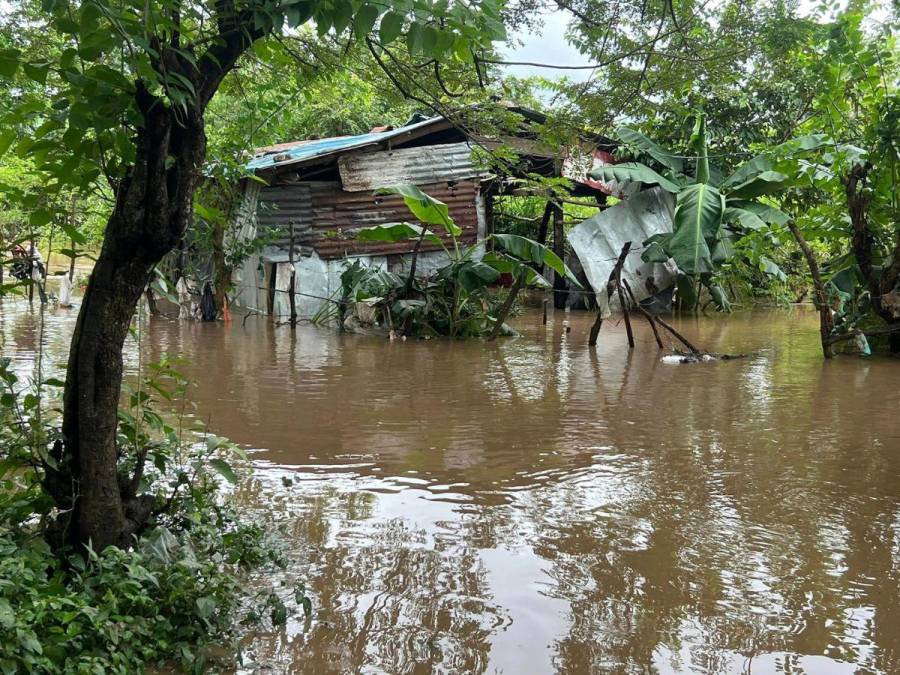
(457, 299)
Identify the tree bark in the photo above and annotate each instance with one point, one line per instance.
(221, 271)
(152, 210)
(826, 320)
(879, 282)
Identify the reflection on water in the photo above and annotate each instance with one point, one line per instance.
(533, 506)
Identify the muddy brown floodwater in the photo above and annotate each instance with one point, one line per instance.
(532, 506)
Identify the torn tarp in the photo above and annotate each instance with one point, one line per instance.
(598, 241)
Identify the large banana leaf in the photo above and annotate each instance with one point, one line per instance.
(424, 207)
(698, 216)
(532, 252)
(657, 152)
(634, 173)
(394, 232)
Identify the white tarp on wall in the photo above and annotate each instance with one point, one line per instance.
(599, 240)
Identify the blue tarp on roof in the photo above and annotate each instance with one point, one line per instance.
(306, 150)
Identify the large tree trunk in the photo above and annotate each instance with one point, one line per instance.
(152, 210)
(881, 282)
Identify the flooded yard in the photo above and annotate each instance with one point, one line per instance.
(534, 506)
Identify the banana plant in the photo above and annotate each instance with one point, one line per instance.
(466, 273)
(711, 213)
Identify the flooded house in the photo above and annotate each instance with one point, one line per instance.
(312, 197)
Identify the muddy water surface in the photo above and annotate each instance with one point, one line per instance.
(532, 506)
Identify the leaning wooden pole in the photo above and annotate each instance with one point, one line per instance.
(647, 315)
(611, 285)
(624, 306)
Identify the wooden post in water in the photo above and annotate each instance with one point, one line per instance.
(559, 248)
(293, 278)
(624, 306)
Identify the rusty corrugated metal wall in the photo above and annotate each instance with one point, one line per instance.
(364, 171)
(328, 218)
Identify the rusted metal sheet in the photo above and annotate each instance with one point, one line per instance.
(327, 218)
(364, 171)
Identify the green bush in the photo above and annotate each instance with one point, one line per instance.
(175, 597)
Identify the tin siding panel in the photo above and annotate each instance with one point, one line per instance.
(327, 218)
(366, 171)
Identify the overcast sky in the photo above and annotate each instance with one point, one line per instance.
(549, 46)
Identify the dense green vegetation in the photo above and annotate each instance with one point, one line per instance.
(123, 123)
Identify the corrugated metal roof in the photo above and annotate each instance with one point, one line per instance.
(428, 164)
(303, 151)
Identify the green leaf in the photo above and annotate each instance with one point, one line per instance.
(36, 71)
(364, 21)
(394, 232)
(414, 37)
(748, 170)
(9, 62)
(298, 13)
(698, 142)
(655, 248)
(224, 469)
(768, 266)
(657, 152)
(206, 606)
(424, 207)
(744, 218)
(720, 300)
(7, 138)
(531, 251)
(698, 217)
(687, 294)
(766, 213)
(632, 172)
(723, 250)
(390, 28)
(473, 274)
(505, 264)
(767, 182)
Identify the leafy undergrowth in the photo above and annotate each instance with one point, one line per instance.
(168, 599)
(178, 597)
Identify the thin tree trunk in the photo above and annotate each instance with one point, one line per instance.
(826, 320)
(507, 305)
(221, 273)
